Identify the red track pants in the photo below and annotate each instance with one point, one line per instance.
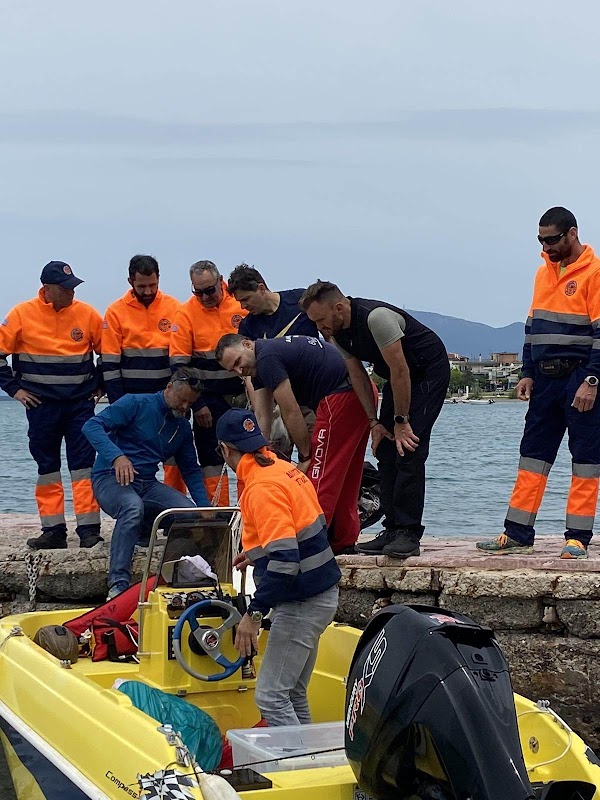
(338, 445)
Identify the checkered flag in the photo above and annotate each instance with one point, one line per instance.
(166, 784)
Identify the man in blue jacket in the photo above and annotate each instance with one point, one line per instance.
(131, 438)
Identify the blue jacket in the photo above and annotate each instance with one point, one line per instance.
(141, 427)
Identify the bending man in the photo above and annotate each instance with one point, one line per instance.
(285, 537)
(131, 437)
(305, 371)
(414, 362)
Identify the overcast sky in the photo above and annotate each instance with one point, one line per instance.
(404, 150)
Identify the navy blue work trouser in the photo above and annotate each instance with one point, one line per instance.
(550, 414)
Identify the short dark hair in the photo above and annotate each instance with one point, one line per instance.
(318, 291)
(228, 340)
(560, 218)
(245, 278)
(188, 375)
(145, 265)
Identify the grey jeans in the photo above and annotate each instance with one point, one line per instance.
(290, 658)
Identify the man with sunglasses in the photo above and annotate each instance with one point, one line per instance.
(561, 368)
(131, 437)
(199, 323)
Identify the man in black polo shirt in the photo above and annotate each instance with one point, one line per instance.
(413, 360)
(304, 370)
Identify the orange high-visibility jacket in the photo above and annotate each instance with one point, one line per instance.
(135, 345)
(284, 533)
(564, 319)
(194, 338)
(52, 351)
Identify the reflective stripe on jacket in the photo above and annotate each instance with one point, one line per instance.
(194, 337)
(564, 318)
(284, 533)
(135, 345)
(52, 351)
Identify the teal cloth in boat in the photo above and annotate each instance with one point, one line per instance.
(198, 730)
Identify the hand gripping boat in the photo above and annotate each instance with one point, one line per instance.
(415, 708)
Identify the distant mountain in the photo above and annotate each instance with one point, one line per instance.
(473, 339)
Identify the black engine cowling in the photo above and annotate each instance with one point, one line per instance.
(430, 710)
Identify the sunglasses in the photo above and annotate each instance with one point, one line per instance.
(551, 239)
(194, 383)
(209, 291)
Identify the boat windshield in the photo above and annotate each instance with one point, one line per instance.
(188, 537)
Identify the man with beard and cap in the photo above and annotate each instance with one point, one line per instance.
(561, 368)
(136, 332)
(52, 339)
(132, 436)
(413, 361)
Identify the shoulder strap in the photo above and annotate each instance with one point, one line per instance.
(283, 331)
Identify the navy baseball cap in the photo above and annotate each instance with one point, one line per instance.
(240, 428)
(59, 273)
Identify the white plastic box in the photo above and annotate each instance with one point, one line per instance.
(286, 748)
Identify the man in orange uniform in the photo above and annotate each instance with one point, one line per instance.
(52, 339)
(210, 313)
(561, 368)
(135, 342)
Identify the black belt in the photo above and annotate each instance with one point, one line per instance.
(344, 386)
(558, 367)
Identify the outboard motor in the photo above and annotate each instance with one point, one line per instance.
(430, 710)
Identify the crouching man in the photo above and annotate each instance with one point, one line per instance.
(285, 538)
(131, 438)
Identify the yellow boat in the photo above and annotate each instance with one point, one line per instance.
(69, 733)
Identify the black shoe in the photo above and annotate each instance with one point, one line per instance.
(376, 545)
(90, 539)
(402, 545)
(346, 551)
(49, 540)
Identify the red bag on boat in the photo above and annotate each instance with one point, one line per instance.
(120, 608)
(115, 640)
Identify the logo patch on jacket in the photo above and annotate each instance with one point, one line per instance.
(164, 325)
(571, 288)
(235, 321)
(77, 334)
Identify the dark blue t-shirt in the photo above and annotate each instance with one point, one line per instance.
(268, 326)
(315, 368)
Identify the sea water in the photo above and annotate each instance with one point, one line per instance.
(470, 472)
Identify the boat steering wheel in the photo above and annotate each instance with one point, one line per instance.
(209, 639)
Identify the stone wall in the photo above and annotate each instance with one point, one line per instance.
(546, 621)
(545, 612)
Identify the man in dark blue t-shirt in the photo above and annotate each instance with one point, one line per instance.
(295, 370)
(270, 314)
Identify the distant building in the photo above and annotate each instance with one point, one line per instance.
(458, 362)
(505, 359)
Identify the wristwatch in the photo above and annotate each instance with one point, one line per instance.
(401, 419)
(256, 616)
(591, 380)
